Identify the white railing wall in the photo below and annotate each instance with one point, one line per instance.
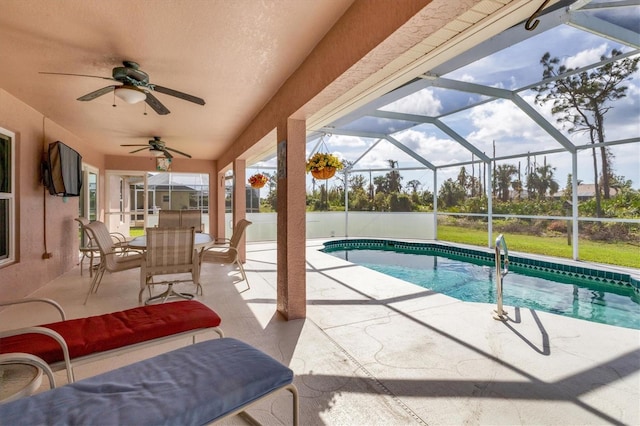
(332, 225)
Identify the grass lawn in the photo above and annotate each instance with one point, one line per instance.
(621, 254)
(136, 232)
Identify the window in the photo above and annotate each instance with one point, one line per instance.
(7, 197)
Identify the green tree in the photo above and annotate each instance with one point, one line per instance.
(390, 182)
(400, 203)
(381, 202)
(356, 181)
(380, 184)
(503, 180)
(414, 184)
(426, 199)
(541, 181)
(581, 100)
(359, 200)
(463, 178)
(271, 201)
(394, 178)
(450, 194)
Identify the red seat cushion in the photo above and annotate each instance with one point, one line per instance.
(101, 333)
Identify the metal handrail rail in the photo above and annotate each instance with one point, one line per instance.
(501, 314)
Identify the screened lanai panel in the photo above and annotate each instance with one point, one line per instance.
(377, 125)
(623, 16)
(434, 102)
(435, 146)
(385, 152)
(623, 163)
(620, 116)
(501, 127)
(518, 65)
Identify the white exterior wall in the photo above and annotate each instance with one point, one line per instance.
(332, 224)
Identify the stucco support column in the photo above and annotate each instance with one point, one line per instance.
(240, 201)
(291, 271)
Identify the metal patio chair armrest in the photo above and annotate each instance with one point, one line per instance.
(36, 299)
(47, 332)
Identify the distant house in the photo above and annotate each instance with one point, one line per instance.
(586, 191)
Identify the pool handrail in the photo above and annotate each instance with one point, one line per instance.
(501, 314)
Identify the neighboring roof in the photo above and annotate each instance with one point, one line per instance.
(586, 190)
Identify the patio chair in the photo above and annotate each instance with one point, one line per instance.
(89, 249)
(189, 218)
(227, 252)
(169, 251)
(169, 219)
(112, 258)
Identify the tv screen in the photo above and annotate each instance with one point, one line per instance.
(63, 170)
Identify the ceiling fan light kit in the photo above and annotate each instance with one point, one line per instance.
(135, 88)
(130, 95)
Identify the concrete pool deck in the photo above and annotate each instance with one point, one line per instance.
(375, 350)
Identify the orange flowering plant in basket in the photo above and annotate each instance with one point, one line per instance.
(258, 180)
(323, 165)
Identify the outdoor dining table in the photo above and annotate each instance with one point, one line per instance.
(201, 241)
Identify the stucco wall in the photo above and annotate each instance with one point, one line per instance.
(40, 216)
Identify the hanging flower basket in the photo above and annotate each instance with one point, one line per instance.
(258, 180)
(323, 165)
(325, 173)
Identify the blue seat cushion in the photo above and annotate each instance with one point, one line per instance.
(193, 385)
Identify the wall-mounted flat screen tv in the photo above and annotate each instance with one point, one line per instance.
(62, 170)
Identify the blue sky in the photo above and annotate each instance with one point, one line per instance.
(500, 122)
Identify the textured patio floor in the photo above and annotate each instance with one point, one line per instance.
(375, 350)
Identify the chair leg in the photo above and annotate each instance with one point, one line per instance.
(169, 292)
(91, 257)
(82, 261)
(148, 284)
(244, 276)
(97, 278)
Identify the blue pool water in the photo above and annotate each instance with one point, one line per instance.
(471, 282)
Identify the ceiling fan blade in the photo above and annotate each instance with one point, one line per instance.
(135, 145)
(157, 106)
(167, 154)
(91, 96)
(179, 152)
(78, 75)
(138, 150)
(177, 94)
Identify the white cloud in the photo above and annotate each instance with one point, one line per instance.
(467, 78)
(586, 57)
(423, 102)
(512, 130)
(434, 149)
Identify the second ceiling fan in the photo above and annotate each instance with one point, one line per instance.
(158, 148)
(135, 87)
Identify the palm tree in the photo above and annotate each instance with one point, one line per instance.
(504, 173)
(542, 182)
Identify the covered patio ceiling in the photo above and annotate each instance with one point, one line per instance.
(456, 113)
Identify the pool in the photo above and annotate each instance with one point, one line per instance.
(469, 275)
